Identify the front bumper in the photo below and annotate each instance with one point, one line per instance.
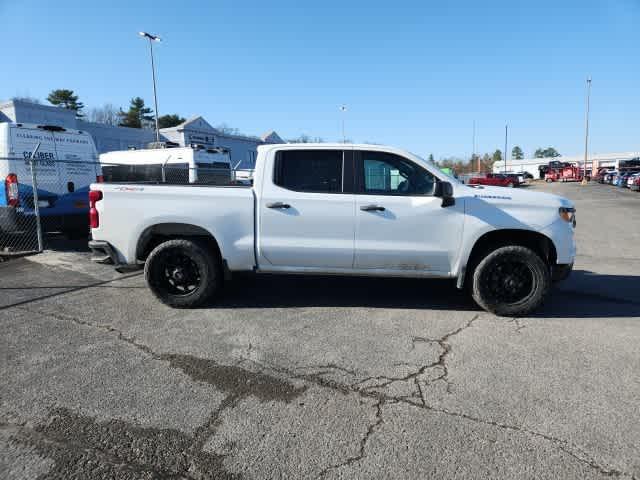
(562, 235)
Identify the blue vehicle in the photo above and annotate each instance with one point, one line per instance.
(65, 162)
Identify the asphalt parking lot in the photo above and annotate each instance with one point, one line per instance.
(325, 377)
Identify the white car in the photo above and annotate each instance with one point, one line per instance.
(338, 209)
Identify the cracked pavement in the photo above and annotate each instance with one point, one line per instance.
(327, 378)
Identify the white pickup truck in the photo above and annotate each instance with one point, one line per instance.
(338, 209)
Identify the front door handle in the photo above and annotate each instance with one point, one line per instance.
(372, 208)
(278, 205)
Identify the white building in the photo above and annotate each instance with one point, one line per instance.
(242, 148)
(109, 138)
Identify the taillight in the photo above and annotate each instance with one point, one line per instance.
(11, 190)
(100, 178)
(94, 197)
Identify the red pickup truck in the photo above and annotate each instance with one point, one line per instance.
(495, 179)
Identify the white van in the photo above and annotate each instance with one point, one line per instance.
(176, 165)
(66, 163)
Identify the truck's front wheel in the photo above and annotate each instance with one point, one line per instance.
(511, 280)
(182, 273)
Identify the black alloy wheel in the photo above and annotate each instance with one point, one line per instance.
(511, 280)
(183, 273)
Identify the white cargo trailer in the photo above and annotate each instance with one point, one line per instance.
(180, 165)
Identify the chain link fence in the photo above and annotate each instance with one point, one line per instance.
(43, 195)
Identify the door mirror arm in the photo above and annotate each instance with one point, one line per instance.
(445, 190)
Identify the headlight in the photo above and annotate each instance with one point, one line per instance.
(568, 214)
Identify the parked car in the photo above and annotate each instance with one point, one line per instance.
(601, 174)
(518, 177)
(494, 179)
(630, 179)
(634, 182)
(615, 181)
(622, 183)
(328, 209)
(608, 178)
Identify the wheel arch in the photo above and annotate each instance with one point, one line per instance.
(489, 241)
(153, 235)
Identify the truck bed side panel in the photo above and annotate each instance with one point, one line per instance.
(127, 210)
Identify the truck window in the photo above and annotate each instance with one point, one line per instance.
(387, 174)
(309, 170)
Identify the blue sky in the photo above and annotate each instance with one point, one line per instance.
(414, 74)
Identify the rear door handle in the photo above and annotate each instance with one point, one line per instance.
(278, 205)
(372, 208)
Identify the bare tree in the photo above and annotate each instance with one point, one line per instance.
(226, 129)
(304, 138)
(27, 99)
(107, 114)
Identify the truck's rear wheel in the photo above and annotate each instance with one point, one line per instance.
(511, 281)
(182, 273)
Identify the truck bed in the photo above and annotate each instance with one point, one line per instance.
(127, 210)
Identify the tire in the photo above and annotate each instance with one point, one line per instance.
(183, 273)
(510, 185)
(511, 281)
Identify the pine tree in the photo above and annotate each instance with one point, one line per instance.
(65, 99)
(548, 152)
(517, 153)
(167, 121)
(136, 115)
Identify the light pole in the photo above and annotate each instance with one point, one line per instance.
(153, 38)
(586, 134)
(343, 109)
(506, 136)
(473, 151)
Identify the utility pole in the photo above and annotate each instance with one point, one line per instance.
(343, 109)
(586, 133)
(153, 38)
(506, 135)
(473, 153)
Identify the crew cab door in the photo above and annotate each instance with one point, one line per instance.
(306, 211)
(400, 225)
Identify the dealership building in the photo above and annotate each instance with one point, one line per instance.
(108, 138)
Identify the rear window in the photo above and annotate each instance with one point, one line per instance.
(309, 170)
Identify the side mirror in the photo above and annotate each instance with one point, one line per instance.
(445, 190)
